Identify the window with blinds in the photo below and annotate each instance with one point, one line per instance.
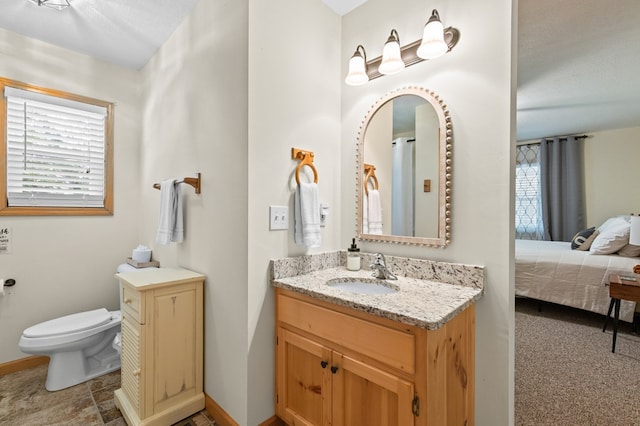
(57, 152)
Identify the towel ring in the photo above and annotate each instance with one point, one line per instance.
(369, 170)
(306, 159)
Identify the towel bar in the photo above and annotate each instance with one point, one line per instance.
(306, 159)
(195, 182)
(370, 173)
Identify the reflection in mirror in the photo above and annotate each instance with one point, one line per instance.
(404, 163)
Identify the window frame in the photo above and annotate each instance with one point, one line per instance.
(5, 209)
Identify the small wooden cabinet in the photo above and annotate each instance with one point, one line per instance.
(162, 346)
(336, 366)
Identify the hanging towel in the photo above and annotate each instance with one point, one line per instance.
(375, 212)
(365, 213)
(307, 215)
(171, 223)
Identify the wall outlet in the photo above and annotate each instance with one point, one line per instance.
(278, 217)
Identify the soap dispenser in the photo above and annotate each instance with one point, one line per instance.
(353, 256)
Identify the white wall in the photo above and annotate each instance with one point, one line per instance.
(611, 174)
(64, 265)
(229, 95)
(195, 120)
(294, 101)
(476, 81)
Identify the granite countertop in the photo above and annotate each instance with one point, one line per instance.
(419, 302)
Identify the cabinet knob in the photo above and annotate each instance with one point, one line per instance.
(324, 364)
(136, 373)
(127, 301)
(334, 369)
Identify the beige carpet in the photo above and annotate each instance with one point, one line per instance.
(565, 371)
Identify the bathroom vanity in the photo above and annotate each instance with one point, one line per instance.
(404, 357)
(162, 346)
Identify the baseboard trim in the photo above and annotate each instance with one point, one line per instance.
(217, 412)
(223, 418)
(22, 364)
(273, 421)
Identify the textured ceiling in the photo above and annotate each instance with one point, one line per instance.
(578, 60)
(123, 32)
(578, 66)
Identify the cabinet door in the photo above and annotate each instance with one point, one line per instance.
(173, 329)
(130, 371)
(303, 380)
(364, 395)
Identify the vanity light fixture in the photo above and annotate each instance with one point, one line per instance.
(433, 45)
(357, 68)
(391, 58)
(435, 42)
(53, 4)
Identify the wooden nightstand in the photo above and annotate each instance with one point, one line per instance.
(620, 288)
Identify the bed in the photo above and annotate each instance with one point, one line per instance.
(551, 271)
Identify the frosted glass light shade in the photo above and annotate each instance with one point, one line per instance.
(433, 44)
(634, 235)
(357, 71)
(391, 58)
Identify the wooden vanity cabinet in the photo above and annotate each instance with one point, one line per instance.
(340, 367)
(162, 346)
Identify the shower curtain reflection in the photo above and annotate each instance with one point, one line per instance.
(403, 187)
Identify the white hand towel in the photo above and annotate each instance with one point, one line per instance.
(177, 236)
(170, 223)
(365, 213)
(375, 212)
(307, 215)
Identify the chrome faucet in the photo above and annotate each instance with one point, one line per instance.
(380, 270)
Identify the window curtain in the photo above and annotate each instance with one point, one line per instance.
(562, 189)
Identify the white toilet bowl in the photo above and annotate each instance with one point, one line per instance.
(79, 346)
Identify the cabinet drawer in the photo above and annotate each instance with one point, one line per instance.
(392, 347)
(132, 304)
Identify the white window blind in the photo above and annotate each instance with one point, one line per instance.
(55, 151)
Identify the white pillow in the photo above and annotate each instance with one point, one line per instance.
(613, 220)
(614, 234)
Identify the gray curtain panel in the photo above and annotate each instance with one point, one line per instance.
(562, 188)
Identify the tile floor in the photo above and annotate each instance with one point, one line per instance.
(25, 402)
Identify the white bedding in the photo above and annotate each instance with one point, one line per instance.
(551, 271)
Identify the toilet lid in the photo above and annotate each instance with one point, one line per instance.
(69, 324)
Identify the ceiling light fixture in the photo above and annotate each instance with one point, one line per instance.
(436, 41)
(53, 4)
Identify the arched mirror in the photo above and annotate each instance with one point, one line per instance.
(404, 170)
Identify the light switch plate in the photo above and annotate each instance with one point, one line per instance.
(278, 217)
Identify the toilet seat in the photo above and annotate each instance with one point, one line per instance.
(69, 324)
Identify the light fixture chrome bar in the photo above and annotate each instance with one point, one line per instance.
(409, 55)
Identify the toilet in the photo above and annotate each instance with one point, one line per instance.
(80, 346)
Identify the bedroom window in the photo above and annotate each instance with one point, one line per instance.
(57, 152)
(528, 201)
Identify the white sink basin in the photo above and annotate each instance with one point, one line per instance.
(363, 286)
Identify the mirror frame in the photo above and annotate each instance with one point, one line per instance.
(445, 145)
